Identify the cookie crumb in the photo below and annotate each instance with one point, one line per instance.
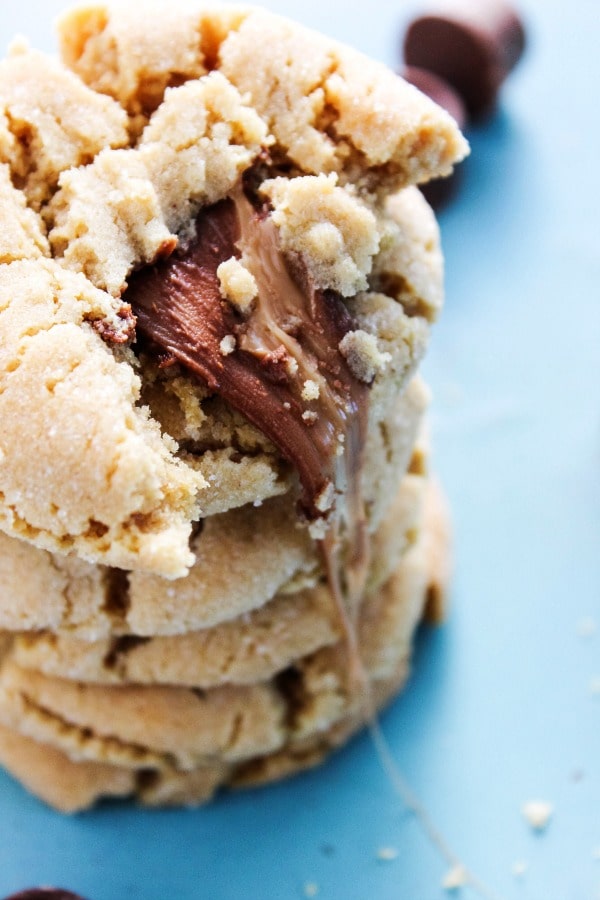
(311, 889)
(537, 813)
(19, 46)
(455, 878)
(237, 284)
(310, 391)
(587, 627)
(291, 365)
(318, 529)
(324, 501)
(227, 345)
(387, 854)
(328, 226)
(519, 868)
(364, 358)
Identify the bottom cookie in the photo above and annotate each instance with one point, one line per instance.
(303, 713)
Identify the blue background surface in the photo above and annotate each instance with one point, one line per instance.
(500, 709)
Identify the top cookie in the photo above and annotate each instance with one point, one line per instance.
(183, 178)
(328, 107)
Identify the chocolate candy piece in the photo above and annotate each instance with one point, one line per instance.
(438, 90)
(471, 44)
(44, 893)
(439, 191)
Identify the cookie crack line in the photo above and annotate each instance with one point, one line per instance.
(65, 591)
(133, 755)
(117, 599)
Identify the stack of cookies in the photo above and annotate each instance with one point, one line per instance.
(217, 281)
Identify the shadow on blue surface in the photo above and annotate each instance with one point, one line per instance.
(191, 853)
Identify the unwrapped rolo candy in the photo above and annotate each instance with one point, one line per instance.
(471, 44)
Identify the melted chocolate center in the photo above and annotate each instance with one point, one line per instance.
(291, 336)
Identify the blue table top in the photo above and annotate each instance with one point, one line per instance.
(501, 708)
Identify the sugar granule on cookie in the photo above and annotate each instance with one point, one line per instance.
(217, 282)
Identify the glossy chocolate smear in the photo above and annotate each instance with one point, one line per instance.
(291, 336)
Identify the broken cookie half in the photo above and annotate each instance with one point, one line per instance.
(276, 168)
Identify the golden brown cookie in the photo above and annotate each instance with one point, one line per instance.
(179, 737)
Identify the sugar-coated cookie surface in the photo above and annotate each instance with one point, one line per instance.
(50, 122)
(328, 107)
